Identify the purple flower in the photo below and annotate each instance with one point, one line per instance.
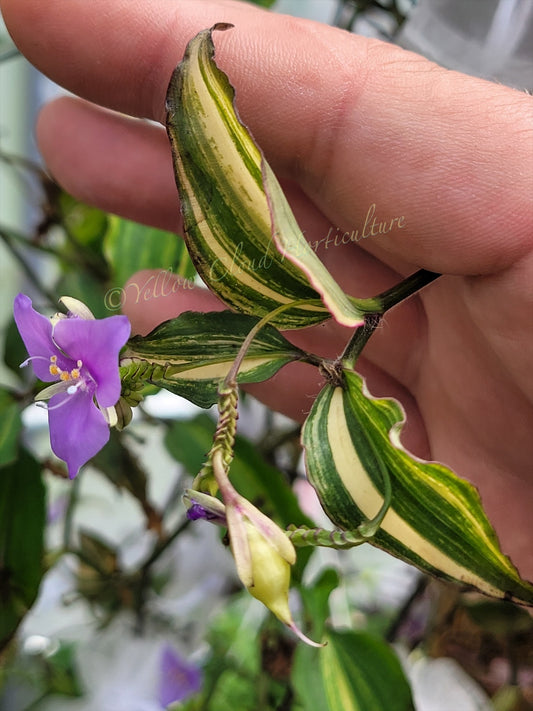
(80, 353)
(179, 678)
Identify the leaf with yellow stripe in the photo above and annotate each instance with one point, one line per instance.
(239, 228)
(355, 671)
(435, 520)
(191, 354)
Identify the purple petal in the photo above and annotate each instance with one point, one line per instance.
(78, 429)
(97, 344)
(179, 678)
(36, 332)
(197, 511)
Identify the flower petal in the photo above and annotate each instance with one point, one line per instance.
(200, 505)
(78, 429)
(97, 344)
(76, 307)
(179, 678)
(36, 332)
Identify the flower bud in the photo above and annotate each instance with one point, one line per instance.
(270, 574)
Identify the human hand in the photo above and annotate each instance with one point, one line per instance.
(347, 123)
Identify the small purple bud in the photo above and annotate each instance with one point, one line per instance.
(196, 512)
(203, 506)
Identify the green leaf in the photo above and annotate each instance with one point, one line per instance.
(315, 598)
(10, 427)
(355, 671)
(436, 520)
(361, 672)
(263, 3)
(292, 244)
(232, 228)
(191, 355)
(86, 224)
(309, 685)
(61, 672)
(15, 351)
(80, 284)
(130, 247)
(22, 518)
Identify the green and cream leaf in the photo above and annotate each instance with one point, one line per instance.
(435, 521)
(246, 246)
(191, 355)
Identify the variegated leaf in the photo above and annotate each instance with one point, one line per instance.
(190, 355)
(436, 520)
(232, 229)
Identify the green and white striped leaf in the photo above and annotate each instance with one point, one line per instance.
(436, 520)
(355, 671)
(190, 355)
(232, 229)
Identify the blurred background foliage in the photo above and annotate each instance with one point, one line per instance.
(100, 575)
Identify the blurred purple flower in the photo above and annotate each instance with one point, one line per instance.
(81, 354)
(179, 678)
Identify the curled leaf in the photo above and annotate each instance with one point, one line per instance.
(435, 521)
(239, 229)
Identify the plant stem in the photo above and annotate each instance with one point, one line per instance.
(69, 514)
(163, 545)
(409, 286)
(28, 270)
(387, 299)
(231, 377)
(359, 340)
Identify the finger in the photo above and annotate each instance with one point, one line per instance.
(122, 165)
(118, 54)
(304, 383)
(150, 297)
(377, 126)
(153, 296)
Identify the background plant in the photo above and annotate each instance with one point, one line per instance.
(252, 666)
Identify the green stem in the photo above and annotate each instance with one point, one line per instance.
(409, 286)
(9, 54)
(161, 547)
(359, 340)
(385, 301)
(231, 377)
(10, 234)
(69, 514)
(28, 270)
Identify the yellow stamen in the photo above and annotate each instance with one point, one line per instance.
(65, 375)
(74, 373)
(54, 370)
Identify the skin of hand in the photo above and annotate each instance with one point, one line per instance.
(347, 123)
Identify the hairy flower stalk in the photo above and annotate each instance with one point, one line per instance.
(79, 355)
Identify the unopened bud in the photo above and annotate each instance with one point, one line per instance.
(123, 414)
(271, 575)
